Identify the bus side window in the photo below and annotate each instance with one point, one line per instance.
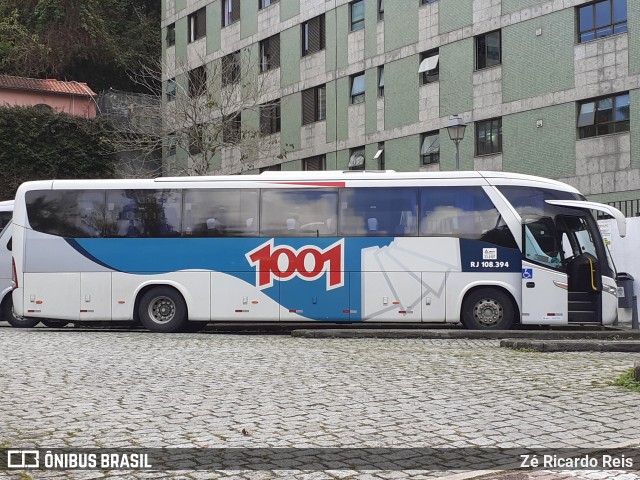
(10, 244)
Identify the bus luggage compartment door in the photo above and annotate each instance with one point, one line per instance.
(544, 295)
(95, 296)
(52, 295)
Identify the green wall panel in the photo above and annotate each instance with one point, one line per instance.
(400, 25)
(371, 100)
(343, 96)
(402, 154)
(330, 161)
(633, 24)
(214, 27)
(291, 111)
(401, 92)
(342, 31)
(248, 18)
(455, 14)
(288, 9)
(521, 47)
(290, 56)
(342, 160)
(181, 41)
(635, 127)
(615, 197)
(371, 29)
(293, 165)
(510, 6)
(456, 77)
(548, 151)
(331, 51)
(331, 112)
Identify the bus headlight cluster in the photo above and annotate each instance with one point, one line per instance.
(609, 289)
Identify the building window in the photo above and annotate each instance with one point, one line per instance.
(195, 140)
(230, 68)
(429, 69)
(270, 53)
(380, 10)
(272, 168)
(489, 136)
(232, 128)
(197, 81)
(197, 25)
(430, 148)
(601, 19)
(270, 118)
(381, 81)
(171, 89)
(603, 116)
(172, 142)
(379, 156)
(356, 159)
(425, 2)
(314, 163)
(314, 104)
(230, 12)
(266, 3)
(171, 35)
(357, 15)
(357, 88)
(488, 50)
(313, 33)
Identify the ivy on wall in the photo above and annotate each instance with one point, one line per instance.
(40, 144)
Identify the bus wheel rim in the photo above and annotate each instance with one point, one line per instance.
(162, 309)
(488, 312)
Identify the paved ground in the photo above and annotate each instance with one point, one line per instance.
(94, 389)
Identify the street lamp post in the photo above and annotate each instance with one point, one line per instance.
(456, 133)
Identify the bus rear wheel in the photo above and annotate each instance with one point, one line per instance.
(9, 314)
(162, 309)
(487, 309)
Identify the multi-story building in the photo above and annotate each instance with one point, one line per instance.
(550, 88)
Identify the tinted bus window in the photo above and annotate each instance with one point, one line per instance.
(143, 213)
(378, 211)
(462, 212)
(5, 217)
(299, 212)
(220, 213)
(531, 200)
(67, 213)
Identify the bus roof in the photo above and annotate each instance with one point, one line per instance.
(326, 178)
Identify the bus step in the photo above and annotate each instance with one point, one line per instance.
(582, 317)
(582, 306)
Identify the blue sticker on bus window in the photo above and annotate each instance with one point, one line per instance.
(527, 273)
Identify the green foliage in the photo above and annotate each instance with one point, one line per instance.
(628, 381)
(41, 145)
(93, 41)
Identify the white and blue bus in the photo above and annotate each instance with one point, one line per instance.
(488, 249)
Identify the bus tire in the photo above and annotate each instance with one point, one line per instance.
(487, 309)
(9, 314)
(162, 309)
(54, 323)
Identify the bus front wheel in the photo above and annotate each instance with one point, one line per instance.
(162, 309)
(9, 314)
(487, 309)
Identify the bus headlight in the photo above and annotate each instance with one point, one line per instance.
(609, 289)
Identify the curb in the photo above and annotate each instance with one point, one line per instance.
(460, 334)
(573, 345)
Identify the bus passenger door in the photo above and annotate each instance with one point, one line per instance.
(95, 296)
(544, 284)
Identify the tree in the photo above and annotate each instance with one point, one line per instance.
(93, 41)
(40, 144)
(224, 109)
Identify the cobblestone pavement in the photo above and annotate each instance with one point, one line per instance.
(67, 388)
